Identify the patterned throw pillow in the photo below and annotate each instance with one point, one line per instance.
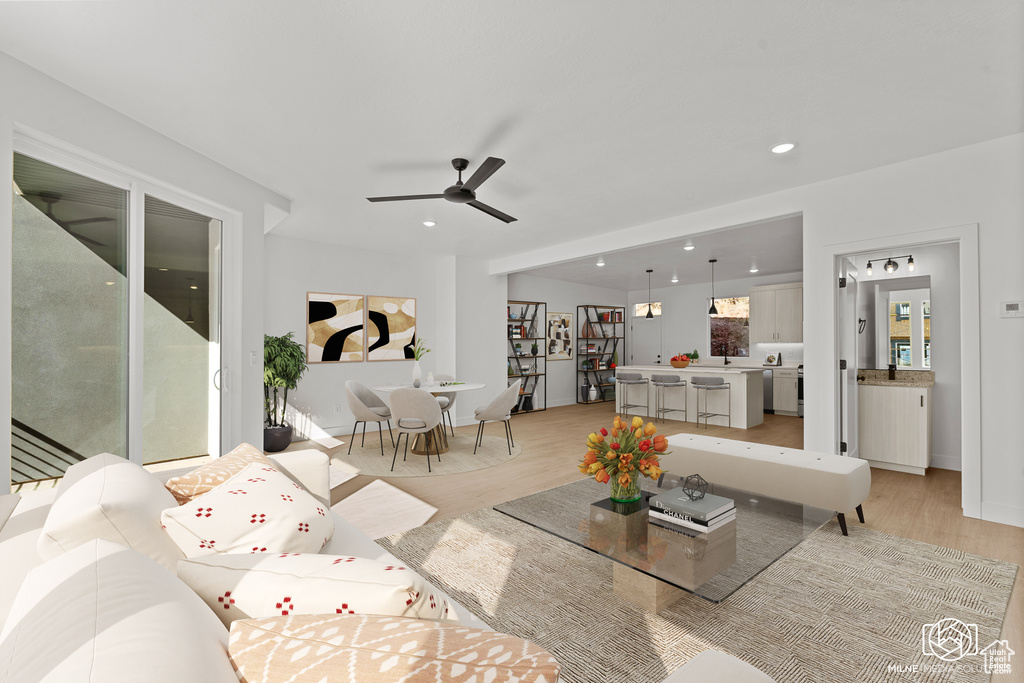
(374, 649)
(258, 510)
(248, 586)
(202, 479)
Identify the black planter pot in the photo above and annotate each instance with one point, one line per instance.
(276, 439)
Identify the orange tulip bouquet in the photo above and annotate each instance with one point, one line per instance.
(623, 455)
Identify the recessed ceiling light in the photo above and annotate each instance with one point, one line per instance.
(429, 224)
(675, 279)
(162, 269)
(689, 247)
(108, 282)
(600, 262)
(193, 286)
(783, 147)
(753, 269)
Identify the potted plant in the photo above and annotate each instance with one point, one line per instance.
(694, 356)
(284, 361)
(519, 349)
(418, 351)
(533, 349)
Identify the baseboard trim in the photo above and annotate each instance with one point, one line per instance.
(1002, 514)
(947, 462)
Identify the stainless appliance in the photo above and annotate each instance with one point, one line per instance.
(800, 390)
(769, 401)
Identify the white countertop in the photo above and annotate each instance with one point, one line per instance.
(694, 369)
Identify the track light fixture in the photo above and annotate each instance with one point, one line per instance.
(650, 305)
(714, 309)
(891, 265)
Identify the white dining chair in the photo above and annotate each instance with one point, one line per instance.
(416, 412)
(500, 409)
(449, 396)
(366, 406)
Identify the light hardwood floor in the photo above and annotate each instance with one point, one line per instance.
(923, 508)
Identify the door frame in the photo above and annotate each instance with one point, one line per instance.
(54, 151)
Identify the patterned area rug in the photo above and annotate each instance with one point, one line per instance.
(460, 457)
(833, 609)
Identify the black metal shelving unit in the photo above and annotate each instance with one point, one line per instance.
(601, 338)
(526, 329)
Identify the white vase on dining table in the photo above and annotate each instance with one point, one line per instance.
(417, 373)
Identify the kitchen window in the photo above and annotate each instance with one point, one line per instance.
(730, 329)
(640, 310)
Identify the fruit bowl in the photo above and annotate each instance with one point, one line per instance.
(679, 363)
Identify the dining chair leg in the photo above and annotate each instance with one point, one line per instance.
(363, 442)
(436, 448)
(380, 433)
(479, 435)
(391, 434)
(509, 423)
(508, 438)
(395, 459)
(355, 429)
(406, 453)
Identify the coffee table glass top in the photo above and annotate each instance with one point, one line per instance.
(712, 565)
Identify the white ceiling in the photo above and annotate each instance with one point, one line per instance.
(609, 115)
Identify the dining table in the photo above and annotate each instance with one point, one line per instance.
(435, 440)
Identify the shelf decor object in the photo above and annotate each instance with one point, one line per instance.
(523, 330)
(334, 328)
(621, 455)
(601, 338)
(559, 336)
(390, 327)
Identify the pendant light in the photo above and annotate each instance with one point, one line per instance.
(650, 306)
(713, 310)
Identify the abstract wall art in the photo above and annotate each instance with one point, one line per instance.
(390, 327)
(334, 328)
(559, 336)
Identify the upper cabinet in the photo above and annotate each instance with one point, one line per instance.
(777, 313)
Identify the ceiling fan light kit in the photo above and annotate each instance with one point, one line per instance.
(461, 193)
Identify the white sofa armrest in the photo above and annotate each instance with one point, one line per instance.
(310, 468)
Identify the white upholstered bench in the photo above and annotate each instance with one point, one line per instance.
(824, 480)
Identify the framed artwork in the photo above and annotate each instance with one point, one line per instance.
(390, 327)
(334, 328)
(558, 340)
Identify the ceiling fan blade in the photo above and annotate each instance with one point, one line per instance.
(486, 170)
(402, 198)
(83, 221)
(491, 211)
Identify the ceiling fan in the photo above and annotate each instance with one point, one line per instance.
(462, 193)
(51, 198)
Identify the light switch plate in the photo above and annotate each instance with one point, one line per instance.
(1011, 309)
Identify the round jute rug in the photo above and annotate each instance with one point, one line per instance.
(459, 458)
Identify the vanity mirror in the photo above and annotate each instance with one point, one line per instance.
(897, 324)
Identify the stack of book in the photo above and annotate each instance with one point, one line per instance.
(704, 514)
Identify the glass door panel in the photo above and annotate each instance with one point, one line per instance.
(181, 339)
(69, 319)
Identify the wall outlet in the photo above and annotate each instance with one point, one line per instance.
(253, 358)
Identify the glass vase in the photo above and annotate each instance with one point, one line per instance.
(626, 494)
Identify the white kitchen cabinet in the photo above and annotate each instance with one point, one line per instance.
(784, 391)
(895, 427)
(777, 313)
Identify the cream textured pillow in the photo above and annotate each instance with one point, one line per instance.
(374, 649)
(103, 613)
(202, 479)
(259, 510)
(118, 501)
(248, 586)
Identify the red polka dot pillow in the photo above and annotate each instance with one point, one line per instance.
(258, 510)
(262, 585)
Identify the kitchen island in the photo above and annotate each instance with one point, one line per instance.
(746, 395)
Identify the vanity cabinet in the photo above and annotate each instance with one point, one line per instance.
(785, 391)
(777, 313)
(895, 427)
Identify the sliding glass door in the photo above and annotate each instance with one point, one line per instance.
(115, 321)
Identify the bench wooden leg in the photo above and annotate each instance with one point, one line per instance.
(842, 523)
(860, 514)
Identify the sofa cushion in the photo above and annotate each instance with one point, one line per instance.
(205, 478)
(257, 510)
(249, 586)
(380, 649)
(103, 613)
(115, 500)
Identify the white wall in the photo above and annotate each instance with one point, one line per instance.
(941, 264)
(460, 312)
(685, 322)
(971, 193)
(37, 103)
(563, 297)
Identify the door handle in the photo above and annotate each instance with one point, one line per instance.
(922, 400)
(216, 377)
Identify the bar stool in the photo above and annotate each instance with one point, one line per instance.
(711, 384)
(661, 383)
(626, 379)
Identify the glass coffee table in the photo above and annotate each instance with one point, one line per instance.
(655, 561)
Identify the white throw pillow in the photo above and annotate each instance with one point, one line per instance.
(251, 586)
(118, 501)
(259, 510)
(103, 613)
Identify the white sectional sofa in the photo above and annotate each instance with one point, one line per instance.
(824, 480)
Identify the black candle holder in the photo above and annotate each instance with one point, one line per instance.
(695, 487)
